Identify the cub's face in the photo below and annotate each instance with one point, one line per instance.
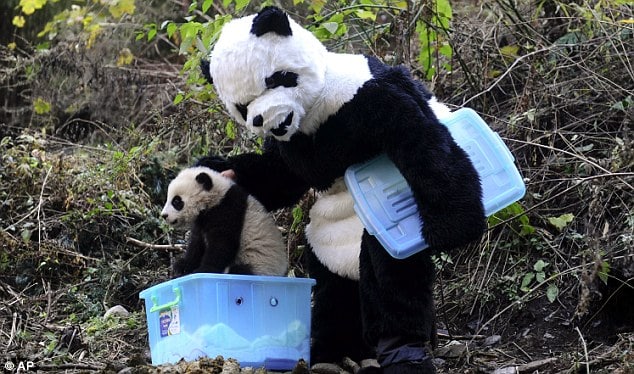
(268, 71)
(193, 190)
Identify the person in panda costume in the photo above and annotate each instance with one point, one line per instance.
(319, 113)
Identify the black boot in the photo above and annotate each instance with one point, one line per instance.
(400, 355)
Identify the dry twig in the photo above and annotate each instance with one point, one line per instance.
(164, 247)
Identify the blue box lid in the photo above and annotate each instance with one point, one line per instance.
(384, 201)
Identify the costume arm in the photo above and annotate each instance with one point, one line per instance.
(265, 176)
(445, 185)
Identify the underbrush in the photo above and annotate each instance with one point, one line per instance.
(559, 91)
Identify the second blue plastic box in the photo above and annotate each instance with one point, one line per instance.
(384, 201)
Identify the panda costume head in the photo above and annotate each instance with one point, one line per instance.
(276, 78)
(230, 231)
(268, 71)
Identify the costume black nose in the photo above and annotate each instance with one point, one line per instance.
(258, 121)
(281, 129)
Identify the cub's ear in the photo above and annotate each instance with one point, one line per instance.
(204, 67)
(271, 19)
(205, 180)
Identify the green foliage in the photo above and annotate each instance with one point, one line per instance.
(100, 327)
(330, 27)
(118, 188)
(88, 16)
(433, 34)
(561, 221)
(23, 159)
(604, 272)
(298, 217)
(537, 277)
(519, 221)
(28, 7)
(193, 39)
(67, 207)
(625, 104)
(41, 106)
(586, 14)
(441, 260)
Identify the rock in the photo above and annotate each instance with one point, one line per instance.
(116, 310)
(301, 368)
(230, 366)
(506, 370)
(475, 326)
(369, 362)
(452, 350)
(438, 362)
(491, 340)
(325, 368)
(349, 365)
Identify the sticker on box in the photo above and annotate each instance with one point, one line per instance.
(169, 322)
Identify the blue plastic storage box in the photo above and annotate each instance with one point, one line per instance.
(384, 202)
(261, 321)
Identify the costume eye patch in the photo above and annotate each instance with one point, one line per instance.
(178, 203)
(281, 78)
(243, 110)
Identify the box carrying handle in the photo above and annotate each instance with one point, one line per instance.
(168, 305)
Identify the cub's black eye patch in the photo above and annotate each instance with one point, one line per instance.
(178, 203)
(281, 78)
(243, 110)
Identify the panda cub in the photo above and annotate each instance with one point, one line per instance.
(231, 232)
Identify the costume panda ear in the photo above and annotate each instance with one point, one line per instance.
(271, 19)
(204, 67)
(205, 180)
